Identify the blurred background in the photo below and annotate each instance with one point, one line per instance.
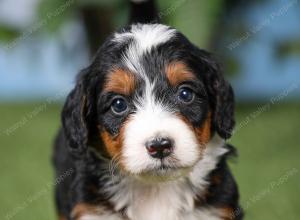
(44, 44)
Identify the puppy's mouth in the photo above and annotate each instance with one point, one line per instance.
(163, 173)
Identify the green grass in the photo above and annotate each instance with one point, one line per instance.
(25, 163)
(267, 169)
(269, 150)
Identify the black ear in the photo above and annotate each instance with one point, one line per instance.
(76, 114)
(221, 97)
(223, 111)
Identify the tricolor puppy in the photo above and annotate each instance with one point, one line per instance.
(144, 133)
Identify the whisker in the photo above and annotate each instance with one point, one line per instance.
(112, 166)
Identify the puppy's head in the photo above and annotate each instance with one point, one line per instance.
(153, 99)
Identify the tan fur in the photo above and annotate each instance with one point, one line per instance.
(120, 81)
(227, 213)
(62, 217)
(178, 72)
(82, 209)
(202, 133)
(114, 144)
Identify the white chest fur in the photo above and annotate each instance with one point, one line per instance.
(169, 201)
(160, 204)
(172, 200)
(166, 201)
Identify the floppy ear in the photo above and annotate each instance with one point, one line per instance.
(221, 96)
(223, 104)
(76, 112)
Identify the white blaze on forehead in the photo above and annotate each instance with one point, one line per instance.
(145, 37)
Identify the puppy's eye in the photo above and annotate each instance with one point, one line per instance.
(186, 95)
(119, 106)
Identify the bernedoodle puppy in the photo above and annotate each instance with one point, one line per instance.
(143, 131)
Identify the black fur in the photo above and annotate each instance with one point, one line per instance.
(86, 107)
(225, 192)
(87, 111)
(143, 12)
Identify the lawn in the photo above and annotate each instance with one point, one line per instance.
(267, 169)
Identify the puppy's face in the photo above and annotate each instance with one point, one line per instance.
(155, 110)
(154, 122)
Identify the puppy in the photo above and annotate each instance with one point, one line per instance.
(143, 132)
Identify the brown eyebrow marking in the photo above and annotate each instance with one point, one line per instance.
(120, 81)
(178, 72)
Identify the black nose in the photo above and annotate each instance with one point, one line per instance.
(159, 147)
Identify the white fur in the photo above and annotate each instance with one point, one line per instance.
(150, 35)
(102, 217)
(170, 200)
(201, 214)
(145, 37)
(151, 120)
(214, 150)
(99, 214)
